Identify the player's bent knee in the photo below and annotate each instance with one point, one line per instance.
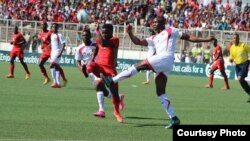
(90, 67)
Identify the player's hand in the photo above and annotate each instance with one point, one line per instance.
(231, 60)
(129, 28)
(11, 42)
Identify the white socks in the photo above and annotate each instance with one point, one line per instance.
(125, 74)
(100, 99)
(58, 77)
(165, 102)
(53, 74)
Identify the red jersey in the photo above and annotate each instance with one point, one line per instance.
(107, 56)
(217, 53)
(17, 38)
(46, 40)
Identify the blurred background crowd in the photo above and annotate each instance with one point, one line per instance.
(187, 14)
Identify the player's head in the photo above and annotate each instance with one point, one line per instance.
(44, 25)
(107, 31)
(54, 27)
(215, 42)
(236, 38)
(86, 35)
(16, 29)
(159, 24)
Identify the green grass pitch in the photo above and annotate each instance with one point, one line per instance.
(30, 111)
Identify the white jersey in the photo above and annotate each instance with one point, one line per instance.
(165, 41)
(151, 50)
(164, 44)
(57, 41)
(84, 53)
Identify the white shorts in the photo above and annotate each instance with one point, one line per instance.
(54, 57)
(161, 64)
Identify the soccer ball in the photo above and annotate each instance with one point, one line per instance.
(83, 16)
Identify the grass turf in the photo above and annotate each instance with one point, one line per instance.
(32, 111)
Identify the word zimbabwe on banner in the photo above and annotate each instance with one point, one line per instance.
(211, 132)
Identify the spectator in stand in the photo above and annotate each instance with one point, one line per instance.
(207, 55)
(58, 11)
(199, 50)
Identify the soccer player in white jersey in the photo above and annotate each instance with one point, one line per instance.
(84, 52)
(83, 56)
(57, 48)
(161, 63)
(151, 52)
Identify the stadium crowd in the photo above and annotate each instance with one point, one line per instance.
(201, 14)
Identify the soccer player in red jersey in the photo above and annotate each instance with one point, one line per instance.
(83, 56)
(218, 63)
(105, 62)
(45, 37)
(17, 51)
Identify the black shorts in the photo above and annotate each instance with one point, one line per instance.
(242, 69)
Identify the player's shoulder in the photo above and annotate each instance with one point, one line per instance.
(242, 44)
(80, 48)
(172, 30)
(49, 32)
(217, 47)
(114, 38)
(19, 34)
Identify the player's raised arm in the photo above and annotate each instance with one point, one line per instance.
(98, 34)
(192, 38)
(135, 39)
